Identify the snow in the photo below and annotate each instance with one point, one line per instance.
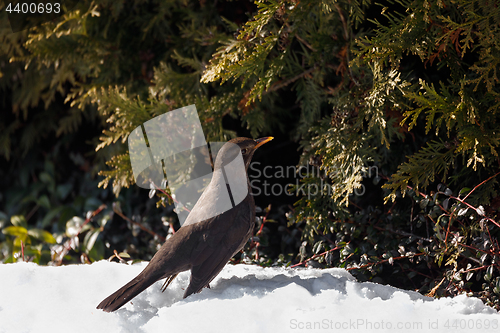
(242, 298)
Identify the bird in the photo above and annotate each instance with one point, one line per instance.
(211, 234)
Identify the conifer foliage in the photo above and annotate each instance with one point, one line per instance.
(397, 103)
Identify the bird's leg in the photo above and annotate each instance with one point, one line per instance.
(167, 282)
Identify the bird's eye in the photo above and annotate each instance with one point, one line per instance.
(244, 151)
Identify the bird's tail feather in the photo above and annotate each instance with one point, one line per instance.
(125, 293)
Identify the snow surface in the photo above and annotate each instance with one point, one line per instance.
(242, 298)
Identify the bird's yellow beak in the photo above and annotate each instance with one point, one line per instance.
(261, 141)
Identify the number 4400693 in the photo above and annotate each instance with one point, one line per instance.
(34, 8)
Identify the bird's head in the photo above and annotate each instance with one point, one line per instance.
(246, 146)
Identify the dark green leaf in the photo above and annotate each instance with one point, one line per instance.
(43, 201)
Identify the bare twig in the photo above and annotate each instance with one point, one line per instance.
(481, 183)
(149, 231)
(32, 211)
(433, 290)
(477, 211)
(384, 261)
(305, 43)
(170, 197)
(281, 84)
(94, 213)
(257, 244)
(67, 244)
(315, 256)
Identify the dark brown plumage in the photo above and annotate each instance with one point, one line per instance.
(202, 247)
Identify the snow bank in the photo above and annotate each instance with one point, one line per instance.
(241, 299)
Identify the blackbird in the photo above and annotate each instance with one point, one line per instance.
(210, 236)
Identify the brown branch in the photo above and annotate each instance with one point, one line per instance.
(32, 211)
(257, 244)
(305, 43)
(384, 261)
(67, 244)
(476, 210)
(315, 256)
(481, 183)
(22, 250)
(170, 197)
(436, 287)
(94, 213)
(149, 231)
(344, 22)
(281, 84)
(475, 269)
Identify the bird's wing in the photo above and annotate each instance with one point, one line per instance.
(236, 227)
